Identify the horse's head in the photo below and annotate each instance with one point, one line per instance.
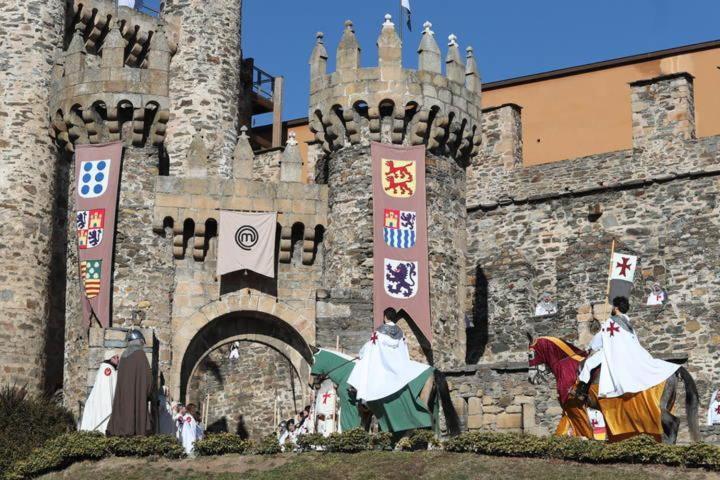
(537, 371)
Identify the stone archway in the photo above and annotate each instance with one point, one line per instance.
(234, 324)
(270, 375)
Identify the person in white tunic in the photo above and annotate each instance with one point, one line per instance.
(626, 367)
(190, 431)
(713, 416)
(98, 406)
(384, 366)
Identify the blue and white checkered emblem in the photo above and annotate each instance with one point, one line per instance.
(93, 180)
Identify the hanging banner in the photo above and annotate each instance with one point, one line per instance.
(97, 175)
(247, 242)
(401, 277)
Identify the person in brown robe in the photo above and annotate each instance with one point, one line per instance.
(130, 415)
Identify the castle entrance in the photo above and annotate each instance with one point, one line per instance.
(248, 370)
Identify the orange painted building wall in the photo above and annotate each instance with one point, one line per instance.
(588, 113)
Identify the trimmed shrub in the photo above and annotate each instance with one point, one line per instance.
(421, 439)
(221, 444)
(381, 441)
(153, 446)
(74, 447)
(702, 455)
(268, 445)
(352, 441)
(27, 422)
(311, 441)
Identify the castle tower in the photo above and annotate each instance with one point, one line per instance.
(111, 83)
(388, 103)
(205, 82)
(28, 182)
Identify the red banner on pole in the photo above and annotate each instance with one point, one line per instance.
(400, 267)
(97, 175)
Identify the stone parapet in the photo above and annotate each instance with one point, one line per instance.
(201, 199)
(392, 104)
(95, 102)
(665, 149)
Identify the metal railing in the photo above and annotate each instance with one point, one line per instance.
(263, 84)
(152, 8)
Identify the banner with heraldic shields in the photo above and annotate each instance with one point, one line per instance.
(97, 176)
(400, 250)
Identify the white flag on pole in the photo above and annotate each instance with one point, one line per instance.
(405, 4)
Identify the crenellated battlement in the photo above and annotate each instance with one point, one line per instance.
(392, 104)
(91, 101)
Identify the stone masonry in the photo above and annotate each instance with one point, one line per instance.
(500, 233)
(354, 106)
(243, 395)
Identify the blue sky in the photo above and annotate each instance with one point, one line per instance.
(510, 38)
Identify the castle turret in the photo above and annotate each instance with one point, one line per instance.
(111, 83)
(29, 171)
(205, 82)
(354, 106)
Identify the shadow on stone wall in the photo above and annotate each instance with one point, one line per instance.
(476, 335)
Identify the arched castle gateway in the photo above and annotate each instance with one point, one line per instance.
(499, 232)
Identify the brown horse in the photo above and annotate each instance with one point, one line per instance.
(648, 412)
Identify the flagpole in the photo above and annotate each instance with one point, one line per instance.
(612, 254)
(400, 20)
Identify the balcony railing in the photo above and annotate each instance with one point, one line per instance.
(263, 84)
(148, 7)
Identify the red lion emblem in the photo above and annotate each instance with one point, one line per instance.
(398, 177)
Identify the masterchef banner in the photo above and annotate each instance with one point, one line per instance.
(97, 174)
(401, 278)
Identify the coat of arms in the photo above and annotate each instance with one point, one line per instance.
(93, 178)
(399, 228)
(400, 278)
(91, 274)
(90, 227)
(398, 178)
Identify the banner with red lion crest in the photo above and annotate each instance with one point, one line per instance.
(401, 277)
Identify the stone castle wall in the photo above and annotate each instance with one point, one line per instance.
(550, 227)
(354, 106)
(29, 170)
(242, 395)
(205, 81)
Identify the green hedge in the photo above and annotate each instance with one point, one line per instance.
(69, 448)
(27, 422)
(641, 449)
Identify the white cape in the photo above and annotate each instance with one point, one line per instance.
(99, 403)
(626, 366)
(713, 417)
(189, 433)
(384, 368)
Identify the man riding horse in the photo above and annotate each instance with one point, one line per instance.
(636, 392)
(626, 367)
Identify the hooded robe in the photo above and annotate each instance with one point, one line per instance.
(190, 433)
(626, 366)
(130, 415)
(384, 368)
(100, 401)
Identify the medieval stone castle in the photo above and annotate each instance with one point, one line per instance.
(500, 233)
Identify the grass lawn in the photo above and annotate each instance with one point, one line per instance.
(365, 466)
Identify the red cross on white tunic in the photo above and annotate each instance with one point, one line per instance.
(374, 337)
(595, 423)
(717, 409)
(326, 396)
(612, 328)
